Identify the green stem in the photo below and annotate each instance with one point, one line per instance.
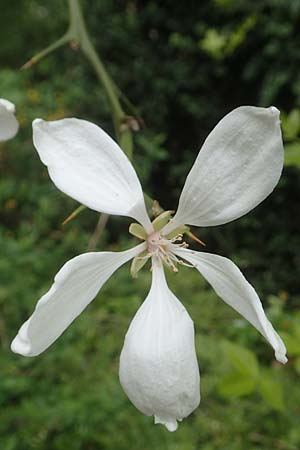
(78, 27)
(59, 43)
(78, 34)
(123, 132)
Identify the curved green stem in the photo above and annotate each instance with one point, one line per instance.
(59, 43)
(78, 27)
(77, 33)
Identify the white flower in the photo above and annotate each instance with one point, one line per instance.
(238, 166)
(8, 123)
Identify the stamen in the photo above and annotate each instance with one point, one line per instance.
(195, 238)
(163, 248)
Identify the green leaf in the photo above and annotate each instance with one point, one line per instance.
(292, 154)
(238, 36)
(219, 44)
(225, 3)
(236, 384)
(292, 343)
(241, 358)
(295, 326)
(271, 391)
(297, 365)
(291, 124)
(213, 43)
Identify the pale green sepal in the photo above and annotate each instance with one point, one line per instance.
(179, 230)
(138, 263)
(162, 220)
(138, 231)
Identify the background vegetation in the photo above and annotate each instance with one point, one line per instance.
(183, 65)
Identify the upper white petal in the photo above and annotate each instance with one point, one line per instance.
(75, 286)
(230, 284)
(86, 164)
(158, 365)
(8, 123)
(238, 167)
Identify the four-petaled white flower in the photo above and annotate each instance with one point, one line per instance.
(8, 123)
(238, 166)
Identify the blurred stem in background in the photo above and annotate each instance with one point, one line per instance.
(78, 37)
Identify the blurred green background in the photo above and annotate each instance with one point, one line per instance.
(183, 65)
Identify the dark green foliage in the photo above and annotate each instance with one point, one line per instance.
(183, 65)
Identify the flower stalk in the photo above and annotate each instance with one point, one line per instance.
(78, 36)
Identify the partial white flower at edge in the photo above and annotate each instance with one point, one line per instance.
(8, 123)
(238, 166)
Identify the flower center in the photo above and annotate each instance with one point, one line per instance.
(162, 247)
(159, 245)
(154, 241)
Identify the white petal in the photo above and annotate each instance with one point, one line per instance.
(8, 105)
(230, 284)
(237, 168)
(75, 286)
(158, 365)
(86, 164)
(8, 123)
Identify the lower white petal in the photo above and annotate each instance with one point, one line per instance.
(158, 365)
(230, 284)
(75, 286)
(8, 123)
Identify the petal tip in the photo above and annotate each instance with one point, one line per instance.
(170, 424)
(8, 105)
(21, 343)
(20, 347)
(280, 357)
(274, 111)
(274, 114)
(36, 122)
